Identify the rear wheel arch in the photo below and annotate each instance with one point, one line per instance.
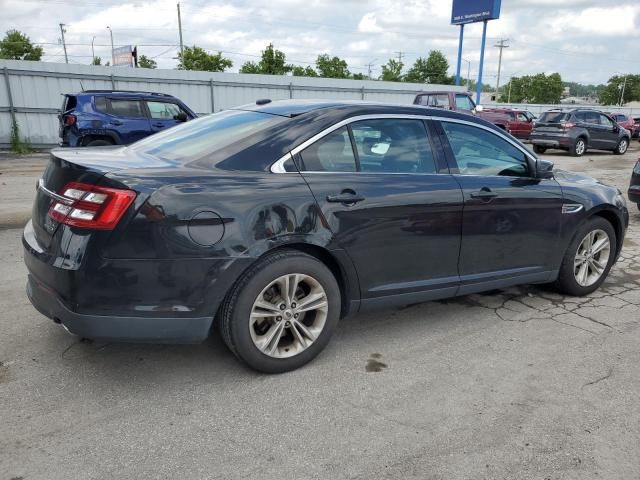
(87, 139)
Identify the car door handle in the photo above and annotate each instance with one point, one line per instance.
(115, 122)
(484, 193)
(348, 198)
(158, 124)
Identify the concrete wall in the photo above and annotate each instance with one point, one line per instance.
(36, 90)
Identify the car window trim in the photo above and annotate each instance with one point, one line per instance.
(278, 167)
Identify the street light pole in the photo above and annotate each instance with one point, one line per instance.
(113, 59)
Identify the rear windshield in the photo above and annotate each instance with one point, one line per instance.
(69, 102)
(205, 135)
(554, 117)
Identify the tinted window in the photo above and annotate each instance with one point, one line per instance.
(553, 117)
(101, 103)
(580, 117)
(620, 118)
(592, 118)
(205, 135)
(480, 152)
(163, 110)
(393, 146)
(332, 153)
(464, 102)
(125, 108)
(440, 101)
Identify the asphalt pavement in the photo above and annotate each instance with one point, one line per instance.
(516, 384)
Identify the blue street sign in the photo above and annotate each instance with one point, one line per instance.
(471, 11)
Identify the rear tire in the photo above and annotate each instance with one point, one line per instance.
(291, 336)
(622, 147)
(579, 147)
(580, 258)
(99, 143)
(539, 149)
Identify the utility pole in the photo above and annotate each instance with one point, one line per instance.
(93, 53)
(180, 30)
(624, 85)
(468, 73)
(64, 45)
(369, 65)
(113, 58)
(501, 45)
(400, 55)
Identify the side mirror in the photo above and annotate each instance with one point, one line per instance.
(479, 108)
(544, 169)
(181, 117)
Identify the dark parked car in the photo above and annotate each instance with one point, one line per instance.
(636, 127)
(578, 130)
(114, 117)
(634, 187)
(277, 219)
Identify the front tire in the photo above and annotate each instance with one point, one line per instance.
(282, 312)
(539, 149)
(579, 147)
(622, 147)
(588, 259)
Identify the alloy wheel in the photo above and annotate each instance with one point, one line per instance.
(580, 147)
(622, 146)
(592, 258)
(288, 315)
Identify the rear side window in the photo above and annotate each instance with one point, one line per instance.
(480, 152)
(553, 117)
(592, 118)
(393, 146)
(580, 117)
(332, 153)
(125, 108)
(101, 104)
(620, 118)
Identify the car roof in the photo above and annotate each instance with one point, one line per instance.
(346, 108)
(123, 93)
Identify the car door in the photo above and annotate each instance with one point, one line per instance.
(597, 131)
(610, 131)
(523, 126)
(128, 119)
(164, 115)
(511, 221)
(392, 204)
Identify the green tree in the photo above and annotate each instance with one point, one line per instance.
(359, 76)
(196, 58)
(433, 69)
(272, 62)
(332, 67)
(146, 62)
(96, 61)
(17, 46)
(299, 71)
(612, 93)
(538, 88)
(392, 71)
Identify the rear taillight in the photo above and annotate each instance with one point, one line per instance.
(90, 206)
(567, 125)
(69, 120)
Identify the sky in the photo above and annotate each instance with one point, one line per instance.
(586, 41)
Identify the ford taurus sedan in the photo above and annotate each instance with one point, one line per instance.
(268, 223)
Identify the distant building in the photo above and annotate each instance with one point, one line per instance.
(580, 101)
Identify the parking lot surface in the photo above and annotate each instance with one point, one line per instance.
(514, 384)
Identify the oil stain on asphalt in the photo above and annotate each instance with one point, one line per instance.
(374, 364)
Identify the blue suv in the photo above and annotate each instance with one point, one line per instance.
(115, 117)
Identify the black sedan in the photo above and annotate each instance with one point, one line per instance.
(269, 222)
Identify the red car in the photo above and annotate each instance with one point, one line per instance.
(625, 121)
(520, 123)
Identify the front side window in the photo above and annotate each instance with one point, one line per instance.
(332, 153)
(522, 117)
(393, 146)
(122, 107)
(480, 152)
(606, 121)
(164, 111)
(463, 102)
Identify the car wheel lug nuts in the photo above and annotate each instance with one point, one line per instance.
(293, 305)
(283, 306)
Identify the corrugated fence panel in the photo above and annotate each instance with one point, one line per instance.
(37, 89)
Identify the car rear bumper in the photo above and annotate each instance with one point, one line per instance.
(550, 141)
(116, 328)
